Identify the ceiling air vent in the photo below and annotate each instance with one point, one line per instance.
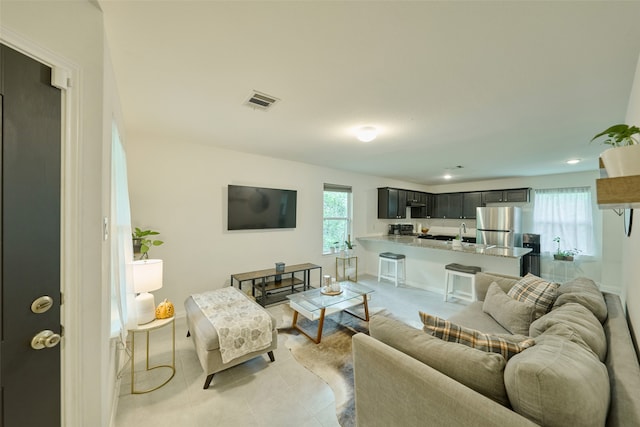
(260, 100)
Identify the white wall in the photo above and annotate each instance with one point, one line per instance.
(71, 33)
(631, 245)
(180, 190)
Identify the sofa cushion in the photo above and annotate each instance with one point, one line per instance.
(474, 318)
(484, 280)
(584, 292)
(574, 318)
(451, 332)
(536, 291)
(515, 316)
(558, 383)
(478, 370)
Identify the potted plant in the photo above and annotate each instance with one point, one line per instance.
(349, 246)
(564, 254)
(623, 158)
(142, 242)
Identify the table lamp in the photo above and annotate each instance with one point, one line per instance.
(147, 277)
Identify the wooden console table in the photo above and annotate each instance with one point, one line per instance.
(270, 286)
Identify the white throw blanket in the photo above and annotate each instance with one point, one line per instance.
(243, 327)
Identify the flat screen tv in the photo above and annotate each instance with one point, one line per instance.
(256, 208)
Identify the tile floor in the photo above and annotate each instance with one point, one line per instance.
(256, 393)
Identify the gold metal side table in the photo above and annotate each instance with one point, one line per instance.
(148, 327)
(347, 262)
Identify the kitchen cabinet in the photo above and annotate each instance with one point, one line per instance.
(426, 210)
(392, 203)
(448, 205)
(470, 201)
(501, 196)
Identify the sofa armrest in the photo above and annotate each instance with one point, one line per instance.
(392, 388)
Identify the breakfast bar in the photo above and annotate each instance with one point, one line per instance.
(425, 259)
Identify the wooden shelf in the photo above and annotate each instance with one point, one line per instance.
(617, 193)
(284, 283)
(620, 193)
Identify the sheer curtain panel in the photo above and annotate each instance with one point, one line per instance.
(123, 312)
(566, 213)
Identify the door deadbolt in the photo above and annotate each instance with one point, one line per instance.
(42, 304)
(44, 339)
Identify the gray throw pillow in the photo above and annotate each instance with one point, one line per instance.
(515, 316)
(484, 280)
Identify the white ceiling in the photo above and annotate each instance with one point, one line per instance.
(504, 89)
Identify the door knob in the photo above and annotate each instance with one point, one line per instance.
(44, 339)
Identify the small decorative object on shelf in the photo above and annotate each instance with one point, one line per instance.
(279, 269)
(165, 310)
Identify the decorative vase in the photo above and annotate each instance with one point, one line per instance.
(622, 161)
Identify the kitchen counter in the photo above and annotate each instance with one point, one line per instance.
(470, 248)
(426, 259)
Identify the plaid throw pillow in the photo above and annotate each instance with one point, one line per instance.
(451, 332)
(536, 291)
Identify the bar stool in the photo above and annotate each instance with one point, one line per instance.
(468, 271)
(390, 258)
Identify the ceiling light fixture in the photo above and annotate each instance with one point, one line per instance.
(367, 133)
(573, 161)
(447, 176)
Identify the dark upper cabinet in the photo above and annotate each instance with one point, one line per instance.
(455, 205)
(470, 201)
(425, 202)
(501, 196)
(517, 195)
(392, 203)
(448, 205)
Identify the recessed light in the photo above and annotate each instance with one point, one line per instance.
(367, 133)
(447, 176)
(573, 161)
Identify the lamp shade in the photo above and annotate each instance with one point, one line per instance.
(147, 275)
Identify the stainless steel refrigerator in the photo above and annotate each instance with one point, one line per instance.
(499, 226)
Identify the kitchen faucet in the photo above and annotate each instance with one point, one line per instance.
(462, 227)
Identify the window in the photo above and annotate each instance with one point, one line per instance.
(565, 213)
(336, 222)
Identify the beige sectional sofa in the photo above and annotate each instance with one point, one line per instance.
(582, 371)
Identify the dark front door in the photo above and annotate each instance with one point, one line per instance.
(30, 136)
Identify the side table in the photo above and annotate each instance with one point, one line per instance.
(147, 328)
(347, 262)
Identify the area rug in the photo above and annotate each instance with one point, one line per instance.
(331, 359)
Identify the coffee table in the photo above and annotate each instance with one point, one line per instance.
(315, 305)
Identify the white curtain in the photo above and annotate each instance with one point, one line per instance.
(123, 311)
(566, 213)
